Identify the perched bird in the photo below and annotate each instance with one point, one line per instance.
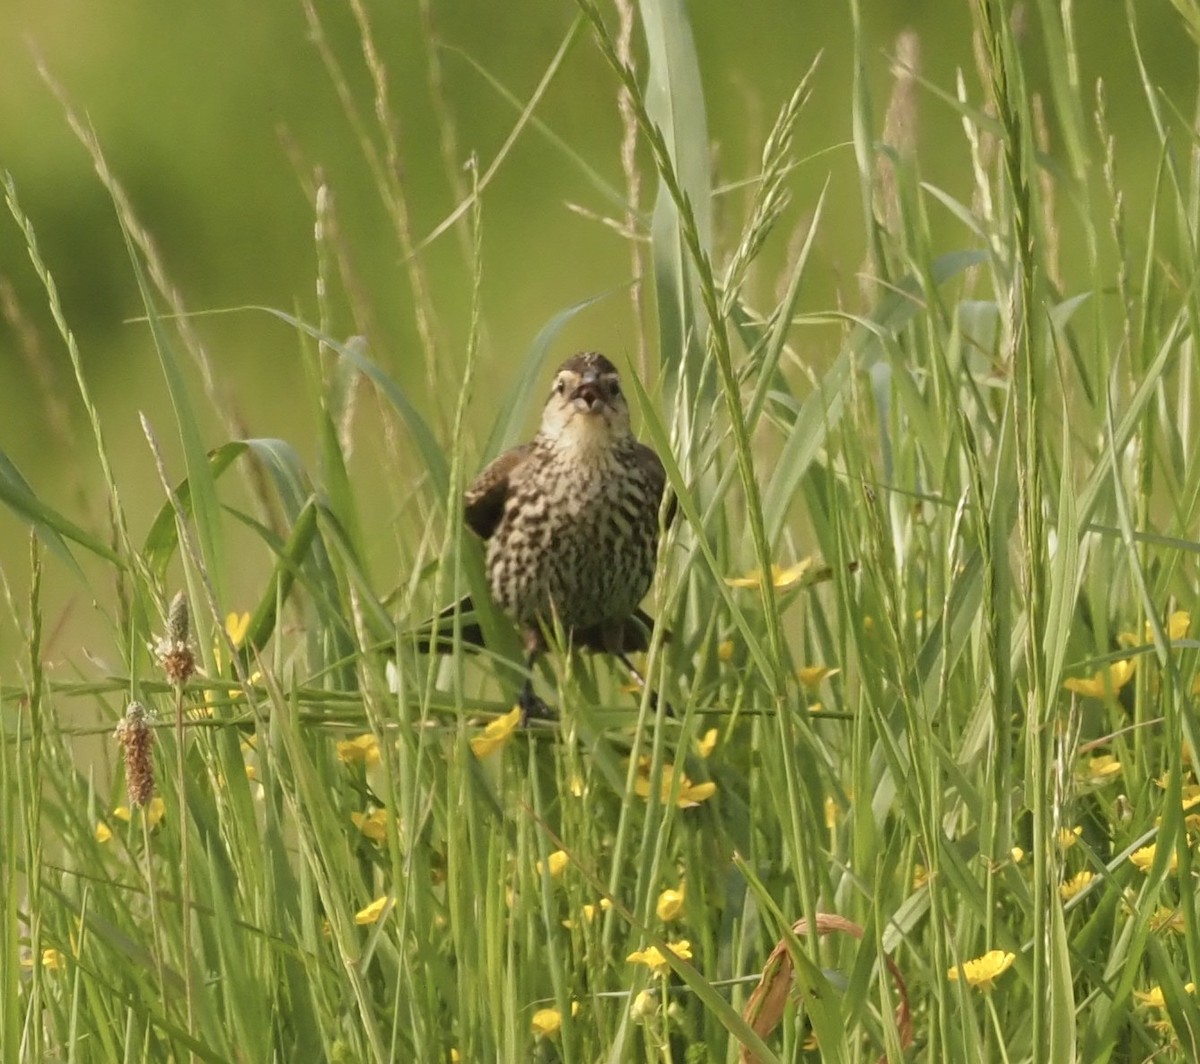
(571, 524)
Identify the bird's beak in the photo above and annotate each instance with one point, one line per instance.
(588, 395)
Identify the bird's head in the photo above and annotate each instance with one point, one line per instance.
(586, 407)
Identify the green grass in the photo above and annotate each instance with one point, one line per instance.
(996, 464)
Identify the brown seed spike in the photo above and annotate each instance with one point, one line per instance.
(177, 618)
(134, 734)
(173, 652)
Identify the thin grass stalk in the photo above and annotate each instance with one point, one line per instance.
(30, 789)
(1008, 98)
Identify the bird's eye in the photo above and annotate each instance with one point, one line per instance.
(614, 388)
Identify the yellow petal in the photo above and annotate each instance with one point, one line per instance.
(236, 626)
(557, 862)
(811, 676)
(707, 743)
(361, 750)
(496, 734)
(782, 579)
(1105, 682)
(372, 912)
(983, 971)
(103, 831)
(546, 1023)
(155, 811)
(670, 903)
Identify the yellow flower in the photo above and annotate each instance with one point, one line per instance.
(644, 1006)
(652, 957)
(1154, 997)
(589, 911)
(983, 971)
(1143, 859)
(1175, 627)
(690, 794)
(707, 743)
(1067, 837)
(1070, 887)
(670, 903)
(557, 863)
(155, 811)
(103, 831)
(781, 579)
(546, 1023)
(1103, 683)
(374, 825)
(496, 734)
(1018, 855)
(362, 750)
(372, 912)
(1099, 770)
(54, 960)
(236, 626)
(1164, 919)
(811, 676)
(725, 651)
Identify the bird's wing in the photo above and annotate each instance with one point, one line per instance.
(652, 464)
(483, 501)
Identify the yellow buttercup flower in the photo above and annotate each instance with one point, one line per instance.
(812, 676)
(690, 794)
(1164, 919)
(103, 831)
(236, 626)
(54, 960)
(1143, 859)
(652, 957)
(1099, 770)
(373, 825)
(546, 1023)
(372, 913)
(557, 863)
(496, 734)
(1154, 997)
(1106, 682)
(1069, 888)
(707, 743)
(983, 971)
(362, 750)
(1067, 837)
(670, 903)
(782, 579)
(1175, 627)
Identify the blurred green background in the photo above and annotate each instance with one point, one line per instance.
(215, 118)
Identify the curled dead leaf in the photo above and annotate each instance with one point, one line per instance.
(765, 1008)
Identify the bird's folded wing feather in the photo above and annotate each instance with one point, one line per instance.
(653, 466)
(483, 501)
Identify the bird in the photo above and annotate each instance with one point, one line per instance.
(570, 524)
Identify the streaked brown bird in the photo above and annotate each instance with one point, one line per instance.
(571, 523)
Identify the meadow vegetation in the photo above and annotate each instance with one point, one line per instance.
(926, 621)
